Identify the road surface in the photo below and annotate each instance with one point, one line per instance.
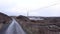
(14, 28)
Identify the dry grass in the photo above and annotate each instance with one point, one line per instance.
(36, 27)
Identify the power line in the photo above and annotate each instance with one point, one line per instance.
(44, 7)
(50, 5)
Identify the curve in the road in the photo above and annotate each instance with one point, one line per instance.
(14, 28)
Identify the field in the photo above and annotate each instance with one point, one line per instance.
(46, 26)
(32, 24)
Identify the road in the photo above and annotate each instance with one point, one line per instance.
(14, 28)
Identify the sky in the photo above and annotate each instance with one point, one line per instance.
(33, 7)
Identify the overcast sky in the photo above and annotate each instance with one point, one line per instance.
(34, 7)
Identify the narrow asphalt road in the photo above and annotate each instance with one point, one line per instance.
(13, 28)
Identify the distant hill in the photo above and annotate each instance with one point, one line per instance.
(4, 20)
(4, 17)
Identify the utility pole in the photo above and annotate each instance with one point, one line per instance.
(27, 13)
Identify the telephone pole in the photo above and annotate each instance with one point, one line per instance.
(27, 13)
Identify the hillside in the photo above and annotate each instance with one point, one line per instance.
(49, 25)
(4, 20)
